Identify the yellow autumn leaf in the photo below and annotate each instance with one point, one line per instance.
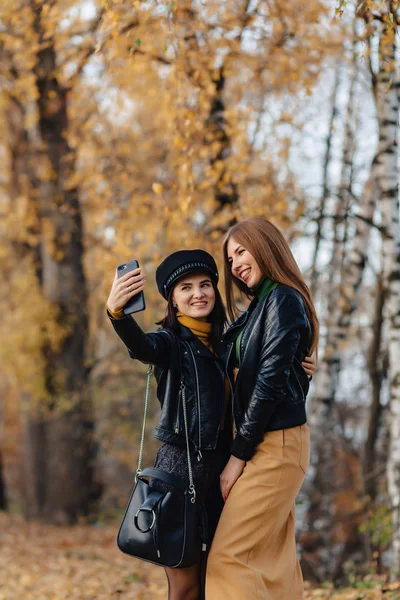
(157, 188)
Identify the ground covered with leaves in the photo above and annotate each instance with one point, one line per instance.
(42, 562)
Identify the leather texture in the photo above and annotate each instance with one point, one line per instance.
(203, 374)
(162, 528)
(166, 477)
(271, 386)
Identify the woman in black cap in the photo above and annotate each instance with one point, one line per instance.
(188, 340)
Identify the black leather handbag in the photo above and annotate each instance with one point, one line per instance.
(165, 528)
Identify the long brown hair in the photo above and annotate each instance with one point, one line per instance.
(272, 253)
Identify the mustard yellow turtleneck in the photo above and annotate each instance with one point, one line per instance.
(116, 315)
(200, 329)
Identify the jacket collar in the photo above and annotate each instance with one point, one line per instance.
(198, 347)
(240, 321)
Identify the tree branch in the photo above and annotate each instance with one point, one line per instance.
(85, 57)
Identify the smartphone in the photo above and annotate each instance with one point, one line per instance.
(136, 303)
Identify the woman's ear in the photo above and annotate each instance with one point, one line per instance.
(174, 304)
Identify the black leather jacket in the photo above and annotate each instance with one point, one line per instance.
(204, 378)
(271, 386)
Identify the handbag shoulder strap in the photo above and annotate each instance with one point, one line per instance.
(146, 405)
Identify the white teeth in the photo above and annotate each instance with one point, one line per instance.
(245, 273)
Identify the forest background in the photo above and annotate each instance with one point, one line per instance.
(130, 129)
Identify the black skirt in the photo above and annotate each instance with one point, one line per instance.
(206, 472)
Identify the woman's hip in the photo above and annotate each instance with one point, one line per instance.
(289, 447)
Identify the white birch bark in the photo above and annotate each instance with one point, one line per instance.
(388, 97)
(339, 320)
(345, 273)
(344, 194)
(325, 183)
(327, 379)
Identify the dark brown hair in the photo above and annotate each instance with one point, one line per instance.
(217, 317)
(272, 253)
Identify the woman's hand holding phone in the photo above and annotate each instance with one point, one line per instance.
(124, 288)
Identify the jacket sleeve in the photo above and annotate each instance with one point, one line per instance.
(151, 348)
(284, 319)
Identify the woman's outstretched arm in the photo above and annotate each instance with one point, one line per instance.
(151, 348)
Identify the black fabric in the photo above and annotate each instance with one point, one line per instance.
(203, 373)
(180, 263)
(173, 459)
(271, 387)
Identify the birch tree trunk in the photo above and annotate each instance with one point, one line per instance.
(345, 274)
(321, 415)
(325, 184)
(377, 367)
(344, 196)
(345, 192)
(339, 321)
(321, 507)
(388, 103)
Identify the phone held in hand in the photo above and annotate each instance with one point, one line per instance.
(136, 303)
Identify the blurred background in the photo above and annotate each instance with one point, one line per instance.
(130, 129)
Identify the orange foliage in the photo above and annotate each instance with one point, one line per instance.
(167, 108)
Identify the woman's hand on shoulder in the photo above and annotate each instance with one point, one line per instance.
(309, 365)
(124, 288)
(230, 475)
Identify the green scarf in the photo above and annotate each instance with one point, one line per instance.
(264, 288)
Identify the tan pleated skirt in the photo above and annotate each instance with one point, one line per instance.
(253, 555)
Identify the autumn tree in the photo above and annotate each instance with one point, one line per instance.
(43, 257)
(222, 63)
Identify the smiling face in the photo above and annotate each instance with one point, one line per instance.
(194, 296)
(243, 264)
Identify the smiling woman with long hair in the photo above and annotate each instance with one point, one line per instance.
(253, 554)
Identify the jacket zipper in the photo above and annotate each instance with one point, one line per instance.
(230, 383)
(232, 327)
(178, 412)
(199, 455)
(198, 398)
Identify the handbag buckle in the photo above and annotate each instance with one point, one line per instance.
(137, 519)
(192, 492)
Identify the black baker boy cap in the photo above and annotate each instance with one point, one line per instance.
(180, 263)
